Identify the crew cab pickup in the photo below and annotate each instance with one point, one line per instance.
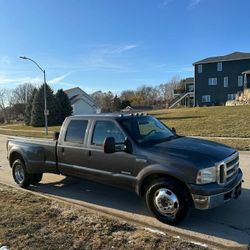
(137, 152)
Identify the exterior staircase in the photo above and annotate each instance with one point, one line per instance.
(179, 98)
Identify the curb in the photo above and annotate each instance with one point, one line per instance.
(172, 231)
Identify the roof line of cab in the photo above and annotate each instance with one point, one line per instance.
(112, 115)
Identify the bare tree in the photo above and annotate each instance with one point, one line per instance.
(5, 103)
(128, 95)
(166, 90)
(104, 100)
(21, 96)
(23, 92)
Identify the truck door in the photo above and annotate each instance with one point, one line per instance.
(116, 168)
(71, 149)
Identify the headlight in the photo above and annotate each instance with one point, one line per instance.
(206, 175)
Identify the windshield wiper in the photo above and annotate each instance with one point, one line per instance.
(169, 138)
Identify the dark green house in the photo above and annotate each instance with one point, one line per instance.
(218, 79)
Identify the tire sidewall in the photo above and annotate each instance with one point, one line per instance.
(27, 177)
(184, 204)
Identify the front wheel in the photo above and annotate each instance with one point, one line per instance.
(20, 174)
(168, 201)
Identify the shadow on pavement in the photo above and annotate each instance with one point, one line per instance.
(230, 222)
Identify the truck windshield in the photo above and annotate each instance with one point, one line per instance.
(146, 129)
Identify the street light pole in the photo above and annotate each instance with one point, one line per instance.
(45, 103)
(45, 92)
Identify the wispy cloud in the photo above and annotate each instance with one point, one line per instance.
(108, 58)
(119, 49)
(181, 69)
(164, 3)
(17, 80)
(194, 3)
(5, 60)
(5, 79)
(171, 68)
(59, 78)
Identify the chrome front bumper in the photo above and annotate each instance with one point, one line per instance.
(206, 202)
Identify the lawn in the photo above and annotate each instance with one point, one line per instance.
(201, 121)
(23, 130)
(208, 121)
(33, 222)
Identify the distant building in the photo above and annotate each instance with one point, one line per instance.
(81, 102)
(136, 109)
(128, 109)
(184, 97)
(218, 79)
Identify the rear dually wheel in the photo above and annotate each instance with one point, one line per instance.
(20, 174)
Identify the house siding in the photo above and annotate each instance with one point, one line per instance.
(219, 93)
(81, 107)
(81, 102)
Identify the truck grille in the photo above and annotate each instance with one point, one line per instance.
(228, 169)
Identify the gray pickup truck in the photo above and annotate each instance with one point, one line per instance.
(136, 152)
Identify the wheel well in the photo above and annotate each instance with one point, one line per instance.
(14, 156)
(149, 179)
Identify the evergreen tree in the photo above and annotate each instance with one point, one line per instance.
(28, 109)
(64, 104)
(116, 104)
(125, 103)
(37, 113)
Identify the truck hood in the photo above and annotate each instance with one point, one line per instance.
(198, 152)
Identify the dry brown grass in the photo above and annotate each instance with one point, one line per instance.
(32, 222)
(208, 121)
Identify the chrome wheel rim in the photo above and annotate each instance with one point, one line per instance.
(166, 202)
(19, 173)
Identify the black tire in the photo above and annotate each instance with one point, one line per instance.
(20, 174)
(168, 201)
(36, 178)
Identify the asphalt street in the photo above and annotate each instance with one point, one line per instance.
(228, 224)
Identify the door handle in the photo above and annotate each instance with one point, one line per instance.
(90, 153)
(62, 149)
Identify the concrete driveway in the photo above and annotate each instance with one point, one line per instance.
(228, 225)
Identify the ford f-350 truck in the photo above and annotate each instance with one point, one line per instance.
(137, 152)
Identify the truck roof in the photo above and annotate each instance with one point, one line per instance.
(108, 115)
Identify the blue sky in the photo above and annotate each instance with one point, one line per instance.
(116, 44)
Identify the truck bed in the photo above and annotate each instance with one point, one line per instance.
(39, 155)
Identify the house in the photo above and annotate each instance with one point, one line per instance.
(128, 109)
(81, 102)
(218, 79)
(184, 96)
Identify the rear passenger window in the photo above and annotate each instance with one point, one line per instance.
(105, 129)
(76, 131)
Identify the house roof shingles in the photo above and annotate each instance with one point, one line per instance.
(230, 57)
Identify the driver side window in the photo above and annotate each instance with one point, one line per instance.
(105, 129)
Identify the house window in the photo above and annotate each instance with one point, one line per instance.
(240, 81)
(226, 81)
(230, 97)
(200, 68)
(219, 66)
(212, 81)
(206, 98)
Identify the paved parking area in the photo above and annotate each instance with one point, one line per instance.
(229, 224)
